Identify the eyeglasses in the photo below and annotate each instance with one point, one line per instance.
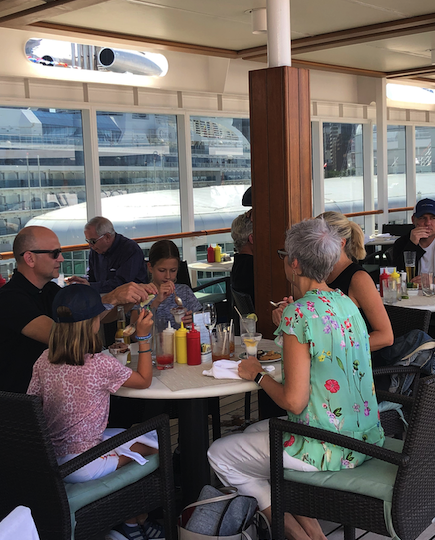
(54, 253)
(93, 241)
(282, 254)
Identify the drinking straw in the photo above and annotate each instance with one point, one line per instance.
(225, 340)
(240, 315)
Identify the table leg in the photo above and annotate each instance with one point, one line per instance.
(194, 440)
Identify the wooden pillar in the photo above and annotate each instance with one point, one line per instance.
(281, 175)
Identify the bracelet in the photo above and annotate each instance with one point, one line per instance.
(144, 338)
(148, 350)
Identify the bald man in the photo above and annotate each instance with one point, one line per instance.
(26, 302)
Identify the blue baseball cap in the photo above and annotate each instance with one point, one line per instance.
(82, 301)
(425, 206)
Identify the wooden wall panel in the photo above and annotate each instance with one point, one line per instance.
(281, 174)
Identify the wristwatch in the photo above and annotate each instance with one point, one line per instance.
(259, 377)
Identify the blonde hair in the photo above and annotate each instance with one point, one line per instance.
(350, 231)
(69, 342)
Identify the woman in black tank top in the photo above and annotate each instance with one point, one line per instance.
(354, 281)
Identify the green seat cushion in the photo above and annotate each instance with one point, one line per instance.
(374, 478)
(84, 493)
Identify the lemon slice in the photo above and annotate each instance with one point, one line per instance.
(148, 300)
(252, 316)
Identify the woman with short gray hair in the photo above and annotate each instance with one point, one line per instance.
(328, 380)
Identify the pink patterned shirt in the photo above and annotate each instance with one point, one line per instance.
(76, 399)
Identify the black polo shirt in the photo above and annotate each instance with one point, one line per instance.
(20, 303)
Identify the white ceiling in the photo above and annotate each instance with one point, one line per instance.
(374, 37)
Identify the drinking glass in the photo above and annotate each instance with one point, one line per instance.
(164, 350)
(248, 325)
(229, 330)
(409, 258)
(251, 343)
(390, 291)
(427, 285)
(220, 345)
(210, 317)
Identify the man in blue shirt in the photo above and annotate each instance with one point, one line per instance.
(113, 258)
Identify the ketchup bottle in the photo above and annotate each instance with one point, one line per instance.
(210, 254)
(382, 279)
(193, 347)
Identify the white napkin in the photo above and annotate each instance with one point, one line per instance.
(227, 369)
(18, 524)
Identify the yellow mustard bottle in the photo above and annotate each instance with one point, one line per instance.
(217, 253)
(181, 344)
(396, 276)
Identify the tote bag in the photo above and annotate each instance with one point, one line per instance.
(222, 510)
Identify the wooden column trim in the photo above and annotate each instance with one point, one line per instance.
(280, 126)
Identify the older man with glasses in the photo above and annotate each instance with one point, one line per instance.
(113, 258)
(26, 301)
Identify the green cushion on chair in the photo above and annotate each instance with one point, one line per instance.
(84, 493)
(374, 478)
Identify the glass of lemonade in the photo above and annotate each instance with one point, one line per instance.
(251, 343)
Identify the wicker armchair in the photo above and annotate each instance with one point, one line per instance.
(357, 498)
(403, 320)
(30, 476)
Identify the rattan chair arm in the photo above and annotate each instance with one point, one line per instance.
(372, 450)
(406, 401)
(391, 370)
(158, 423)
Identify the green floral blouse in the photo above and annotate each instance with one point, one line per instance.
(342, 392)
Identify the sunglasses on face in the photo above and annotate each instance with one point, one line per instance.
(282, 254)
(93, 241)
(54, 253)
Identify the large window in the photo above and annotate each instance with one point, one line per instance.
(343, 167)
(221, 170)
(41, 167)
(425, 162)
(140, 189)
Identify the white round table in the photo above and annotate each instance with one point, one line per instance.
(192, 393)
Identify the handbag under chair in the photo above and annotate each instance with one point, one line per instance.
(30, 476)
(392, 494)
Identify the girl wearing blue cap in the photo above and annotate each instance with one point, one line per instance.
(75, 380)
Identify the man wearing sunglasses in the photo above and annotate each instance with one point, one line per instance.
(26, 302)
(113, 258)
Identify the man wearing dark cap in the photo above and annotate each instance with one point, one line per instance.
(420, 239)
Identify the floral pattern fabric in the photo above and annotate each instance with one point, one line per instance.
(342, 391)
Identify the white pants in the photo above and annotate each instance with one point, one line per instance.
(243, 461)
(108, 463)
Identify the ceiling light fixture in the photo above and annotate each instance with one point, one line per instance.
(258, 20)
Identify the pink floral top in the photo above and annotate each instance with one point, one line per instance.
(342, 391)
(76, 399)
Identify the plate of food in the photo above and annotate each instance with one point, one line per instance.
(265, 357)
